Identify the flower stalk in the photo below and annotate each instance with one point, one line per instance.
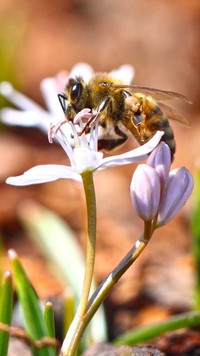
(88, 184)
(87, 307)
(78, 325)
(105, 287)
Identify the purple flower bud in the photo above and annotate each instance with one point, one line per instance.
(177, 192)
(160, 159)
(145, 192)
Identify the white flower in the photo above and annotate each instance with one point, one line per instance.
(82, 152)
(33, 115)
(83, 156)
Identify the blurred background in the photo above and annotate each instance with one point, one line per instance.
(161, 39)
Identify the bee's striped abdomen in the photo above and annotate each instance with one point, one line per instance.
(157, 120)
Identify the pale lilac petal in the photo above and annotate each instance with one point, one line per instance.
(125, 73)
(136, 155)
(82, 69)
(44, 173)
(160, 159)
(15, 97)
(145, 192)
(178, 190)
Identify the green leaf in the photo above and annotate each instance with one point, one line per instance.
(145, 333)
(33, 316)
(6, 308)
(49, 321)
(69, 312)
(195, 227)
(58, 242)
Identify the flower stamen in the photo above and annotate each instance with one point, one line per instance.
(53, 129)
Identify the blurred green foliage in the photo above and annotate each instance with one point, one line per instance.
(195, 225)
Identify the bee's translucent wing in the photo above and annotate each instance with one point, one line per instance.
(158, 94)
(174, 115)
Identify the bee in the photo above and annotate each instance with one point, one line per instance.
(121, 109)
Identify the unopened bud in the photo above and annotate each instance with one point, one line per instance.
(177, 192)
(160, 159)
(145, 192)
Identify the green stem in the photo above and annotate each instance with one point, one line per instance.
(73, 336)
(104, 288)
(88, 184)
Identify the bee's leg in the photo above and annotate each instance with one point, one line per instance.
(90, 122)
(63, 100)
(88, 125)
(109, 144)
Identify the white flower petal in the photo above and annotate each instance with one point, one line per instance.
(23, 180)
(22, 118)
(82, 69)
(86, 159)
(65, 144)
(26, 118)
(61, 80)
(49, 89)
(20, 100)
(125, 73)
(44, 173)
(136, 155)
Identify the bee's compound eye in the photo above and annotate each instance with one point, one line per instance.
(76, 91)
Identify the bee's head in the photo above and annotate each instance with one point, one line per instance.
(71, 98)
(76, 93)
(74, 90)
(75, 96)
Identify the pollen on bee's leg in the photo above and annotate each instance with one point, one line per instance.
(53, 129)
(83, 114)
(85, 130)
(133, 103)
